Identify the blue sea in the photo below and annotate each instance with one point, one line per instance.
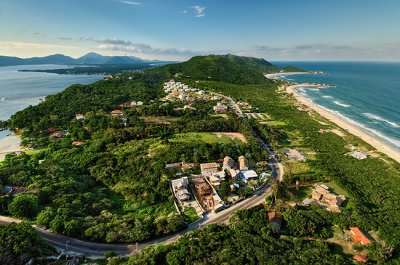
(364, 93)
(18, 90)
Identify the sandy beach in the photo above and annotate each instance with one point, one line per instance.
(277, 75)
(351, 128)
(9, 144)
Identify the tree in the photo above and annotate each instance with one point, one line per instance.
(19, 243)
(24, 206)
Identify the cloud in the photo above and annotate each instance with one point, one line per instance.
(130, 3)
(64, 38)
(184, 12)
(199, 11)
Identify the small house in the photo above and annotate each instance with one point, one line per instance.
(359, 237)
(116, 113)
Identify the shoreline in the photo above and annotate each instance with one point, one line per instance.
(9, 144)
(378, 144)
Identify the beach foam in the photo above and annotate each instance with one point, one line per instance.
(378, 118)
(341, 104)
(327, 96)
(390, 140)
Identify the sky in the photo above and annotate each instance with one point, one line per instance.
(277, 30)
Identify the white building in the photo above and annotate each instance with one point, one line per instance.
(247, 175)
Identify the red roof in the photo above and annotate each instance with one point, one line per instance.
(117, 111)
(76, 143)
(360, 258)
(359, 236)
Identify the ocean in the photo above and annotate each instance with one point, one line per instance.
(18, 90)
(365, 93)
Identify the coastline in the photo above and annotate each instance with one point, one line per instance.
(9, 144)
(346, 125)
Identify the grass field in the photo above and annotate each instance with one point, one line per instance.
(205, 137)
(274, 123)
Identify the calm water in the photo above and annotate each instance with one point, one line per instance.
(18, 90)
(365, 93)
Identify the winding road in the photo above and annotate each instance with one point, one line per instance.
(95, 250)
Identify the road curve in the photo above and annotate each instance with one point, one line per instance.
(98, 249)
(94, 250)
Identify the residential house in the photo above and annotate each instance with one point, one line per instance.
(247, 175)
(216, 178)
(243, 163)
(79, 116)
(228, 163)
(359, 155)
(360, 258)
(233, 173)
(359, 237)
(322, 194)
(294, 155)
(220, 108)
(116, 113)
(207, 169)
(180, 188)
(77, 143)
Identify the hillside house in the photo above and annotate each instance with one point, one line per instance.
(180, 188)
(247, 175)
(322, 194)
(243, 163)
(207, 169)
(359, 237)
(220, 108)
(117, 113)
(360, 258)
(228, 163)
(294, 155)
(79, 116)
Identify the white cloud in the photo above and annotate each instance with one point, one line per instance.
(199, 11)
(130, 3)
(184, 12)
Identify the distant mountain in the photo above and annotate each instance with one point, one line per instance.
(88, 59)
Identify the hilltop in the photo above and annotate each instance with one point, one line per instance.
(226, 68)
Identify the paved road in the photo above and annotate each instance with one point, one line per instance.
(98, 249)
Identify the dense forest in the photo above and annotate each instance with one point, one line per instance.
(114, 188)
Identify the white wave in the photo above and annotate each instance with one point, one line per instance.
(327, 96)
(313, 89)
(3, 99)
(365, 128)
(378, 118)
(341, 104)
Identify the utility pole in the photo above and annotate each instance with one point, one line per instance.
(66, 249)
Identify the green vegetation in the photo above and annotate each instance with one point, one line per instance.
(210, 138)
(19, 243)
(114, 188)
(247, 240)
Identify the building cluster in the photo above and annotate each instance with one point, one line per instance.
(240, 170)
(325, 198)
(178, 91)
(132, 104)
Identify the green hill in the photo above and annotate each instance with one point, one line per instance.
(225, 68)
